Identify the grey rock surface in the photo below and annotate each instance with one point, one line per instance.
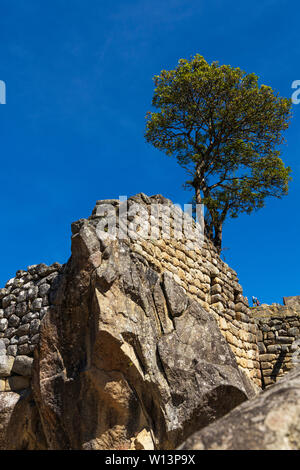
(271, 421)
(6, 364)
(132, 350)
(22, 365)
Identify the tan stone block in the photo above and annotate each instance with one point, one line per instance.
(198, 252)
(157, 264)
(243, 335)
(180, 255)
(223, 324)
(229, 337)
(218, 307)
(216, 289)
(205, 288)
(238, 352)
(148, 247)
(198, 275)
(170, 268)
(251, 354)
(267, 357)
(166, 257)
(217, 280)
(137, 248)
(267, 372)
(147, 257)
(176, 244)
(196, 283)
(180, 273)
(161, 243)
(244, 353)
(157, 252)
(229, 295)
(171, 251)
(6, 363)
(2, 385)
(185, 268)
(175, 262)
(253, 329)
(189, 263)
(268, 381)
(193, 290)
(242, 362)
(191, 255)
(201, 295)
(205, 305)
(258, 373)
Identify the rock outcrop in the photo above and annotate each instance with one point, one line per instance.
(271, 421)
(126, 356)
(134, 343)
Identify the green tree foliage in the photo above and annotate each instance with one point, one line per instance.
(224, 129)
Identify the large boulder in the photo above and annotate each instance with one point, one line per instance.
(126, 359)
(20, 426)
(271, 421)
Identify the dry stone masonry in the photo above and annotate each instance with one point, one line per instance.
(278, 338)
(139, 341)
(263, 339)
(205, 277)
(24, 301)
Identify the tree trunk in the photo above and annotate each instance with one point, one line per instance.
(218, 237)
(198, 195)
(209, 232)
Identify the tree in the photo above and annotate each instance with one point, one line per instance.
(224, 129)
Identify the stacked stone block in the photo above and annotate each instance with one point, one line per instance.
(261, 339)
(278, 340)
(23, 303)
(205, 277)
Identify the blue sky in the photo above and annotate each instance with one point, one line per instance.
(79, 83)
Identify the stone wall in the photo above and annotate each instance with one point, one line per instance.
(261, 339)
(24, 301)
(278, 339)
(205, 277)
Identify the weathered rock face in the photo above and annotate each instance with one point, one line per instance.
(271, 421)
(137, 344)
(126, 359)
(20, 426)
